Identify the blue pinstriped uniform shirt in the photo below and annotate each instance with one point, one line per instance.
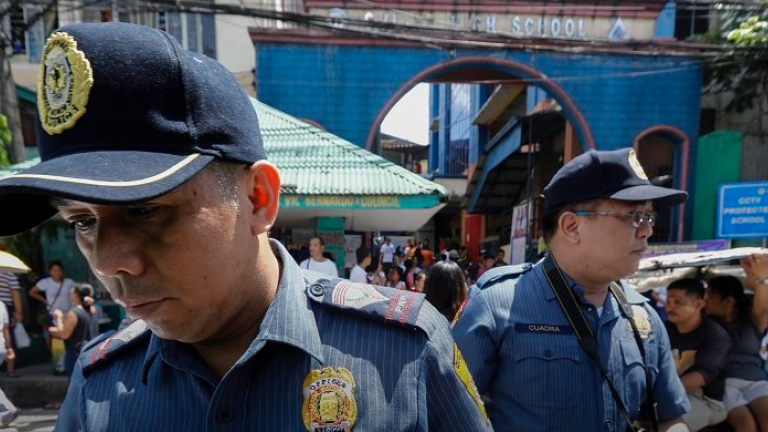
(404, 374)
(526, 360)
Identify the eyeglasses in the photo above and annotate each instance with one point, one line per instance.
(635, 218)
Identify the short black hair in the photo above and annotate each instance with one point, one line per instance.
(362, 253)
(549, 220)
(692, 287)
(730, 286)
(322, 242)
(55, 263)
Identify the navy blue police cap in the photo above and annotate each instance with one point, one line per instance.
(126, 115)
(615, 174)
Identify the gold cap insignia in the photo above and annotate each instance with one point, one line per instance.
(63, 84)
(329, 401)
(462, 371)
(642, 321)
(635, 165)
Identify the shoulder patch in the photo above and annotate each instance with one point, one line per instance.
(500, 274)
(107, 349)
(391, 306)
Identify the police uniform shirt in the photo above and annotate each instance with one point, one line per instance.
(328, 357)
(535, 376)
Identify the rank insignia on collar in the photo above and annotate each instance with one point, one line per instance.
(642, 321)
(63, 84)
(329, 401)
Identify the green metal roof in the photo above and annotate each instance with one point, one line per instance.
(315, 162)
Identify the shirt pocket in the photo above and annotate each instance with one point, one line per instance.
(547, 370)
(635, 392)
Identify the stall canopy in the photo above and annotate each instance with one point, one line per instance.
(326, 176)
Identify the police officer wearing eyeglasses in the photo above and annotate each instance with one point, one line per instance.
(604, 362)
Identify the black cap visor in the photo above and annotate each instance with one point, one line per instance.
(105, 177)
(659, 195)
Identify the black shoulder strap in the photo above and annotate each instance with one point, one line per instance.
(582, 330)
(618, 292)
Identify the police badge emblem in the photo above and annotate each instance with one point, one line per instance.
(635, 165)
(329, 401)
(63, 84)
(642, 321)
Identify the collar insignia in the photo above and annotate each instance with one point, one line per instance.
(329, 401)
(63, 85)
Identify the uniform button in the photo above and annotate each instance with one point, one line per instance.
(317, 289)
(548, 353)
(224, 415)
(607, 425)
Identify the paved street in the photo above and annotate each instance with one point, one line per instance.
(33, 420)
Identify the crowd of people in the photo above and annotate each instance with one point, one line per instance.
(69, 316)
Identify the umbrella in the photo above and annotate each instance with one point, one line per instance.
(11, 264)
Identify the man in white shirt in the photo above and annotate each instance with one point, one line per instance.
(387, 254)
(316, 261)
(56, 289)
(358, 273)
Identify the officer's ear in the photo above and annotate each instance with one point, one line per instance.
(263, 187)
(568, 226)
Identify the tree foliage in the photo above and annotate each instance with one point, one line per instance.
(741, 68)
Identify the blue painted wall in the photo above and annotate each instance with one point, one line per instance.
(344, 87)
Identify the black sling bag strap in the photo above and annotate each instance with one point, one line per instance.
(622, 300)
(583, 331)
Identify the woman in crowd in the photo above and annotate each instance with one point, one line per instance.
(77, 326)
(746, 383)
(396, 278)
(446, 288)
(419, 280)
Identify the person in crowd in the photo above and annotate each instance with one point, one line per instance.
(77, 325)
(428, 257)
(419, 280)
(489, 261)
(53, 291)
(165, 180)
(446, 288)
(317, 260)
(8, 411)
(395, 279)
(499, 261)
(358, 273)
(387, 254)
(410, 272)
(746, 382)
(398, 261)
(10, 295)
(543, 371)
(700, 349)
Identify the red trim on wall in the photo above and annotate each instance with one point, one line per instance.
(517, 69)
(684, 143)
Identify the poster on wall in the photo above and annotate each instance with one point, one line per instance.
(351, 243)
(521, 216)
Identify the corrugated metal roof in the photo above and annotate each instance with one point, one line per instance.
(315, 162)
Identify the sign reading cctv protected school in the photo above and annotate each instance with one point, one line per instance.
(742, 210)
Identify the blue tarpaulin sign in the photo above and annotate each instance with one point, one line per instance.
(742, 210)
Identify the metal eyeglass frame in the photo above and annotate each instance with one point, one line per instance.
(635, 218)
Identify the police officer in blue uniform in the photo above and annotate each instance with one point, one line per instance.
(522, 348)
(153, 154)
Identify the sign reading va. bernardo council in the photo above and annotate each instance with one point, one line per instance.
(742, 210)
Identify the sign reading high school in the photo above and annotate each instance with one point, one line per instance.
(581, 21)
